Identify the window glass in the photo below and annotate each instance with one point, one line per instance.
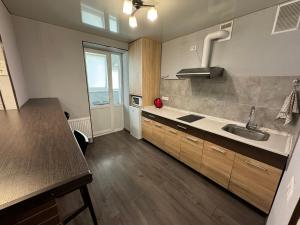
(116, 78)
(97, 76)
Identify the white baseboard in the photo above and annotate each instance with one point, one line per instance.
(104, 132)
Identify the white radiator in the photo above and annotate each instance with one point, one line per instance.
(83, 125)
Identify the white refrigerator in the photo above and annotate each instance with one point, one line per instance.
(135, 118)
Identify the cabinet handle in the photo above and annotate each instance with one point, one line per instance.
(256, 166)
(191, 139)
(157, 125)
(182, 127)
(218, 149)
(151, 116)
(173, 131)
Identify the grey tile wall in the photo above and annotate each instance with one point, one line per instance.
(231, 97)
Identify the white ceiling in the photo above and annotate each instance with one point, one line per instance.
(176, 17)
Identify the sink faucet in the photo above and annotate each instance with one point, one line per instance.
(251, 125)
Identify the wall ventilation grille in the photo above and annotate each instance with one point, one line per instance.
(228, 27)
(287, 17)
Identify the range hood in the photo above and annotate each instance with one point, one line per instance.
(208, 72)
(205, 71)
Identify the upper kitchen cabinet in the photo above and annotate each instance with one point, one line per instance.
(144, 69)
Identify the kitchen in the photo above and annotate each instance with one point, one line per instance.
(188, 110)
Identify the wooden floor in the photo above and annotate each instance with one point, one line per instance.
(137, 184)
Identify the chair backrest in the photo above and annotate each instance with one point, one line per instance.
(67, 115)
(82, 140)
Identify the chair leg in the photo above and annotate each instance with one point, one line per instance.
(87, 201)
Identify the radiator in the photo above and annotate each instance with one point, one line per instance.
(83, 125)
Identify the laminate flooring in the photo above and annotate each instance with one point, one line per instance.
(135, 183)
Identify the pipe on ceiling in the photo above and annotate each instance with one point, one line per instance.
(208, 43)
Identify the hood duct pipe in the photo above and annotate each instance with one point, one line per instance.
(205, 71)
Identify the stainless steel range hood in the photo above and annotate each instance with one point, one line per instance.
(208, 73)
(205, 71)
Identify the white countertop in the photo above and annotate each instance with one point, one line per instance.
(279, 142)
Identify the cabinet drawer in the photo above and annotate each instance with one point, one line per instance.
(147, 128)
(217, 163)
(172, 141)
(254, 181)
(158, 134)
(191, 151)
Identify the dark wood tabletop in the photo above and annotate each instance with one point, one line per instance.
(38, 152)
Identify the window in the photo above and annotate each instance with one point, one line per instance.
(116, 78)
(113, 24)
(97, 76)
(93, 17)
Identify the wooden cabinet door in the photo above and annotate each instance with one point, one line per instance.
(147, 129)
(158, 134)
(135, 68)
(151, 61)
(191, 151)
(217, 163)
(172, 141)
(254, 181)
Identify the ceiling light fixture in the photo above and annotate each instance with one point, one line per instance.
(152, 14)
(127, 7)
(137, 4)
(132, 21)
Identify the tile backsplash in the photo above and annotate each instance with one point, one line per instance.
(231, 97)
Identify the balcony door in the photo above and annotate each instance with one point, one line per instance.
(104, 80)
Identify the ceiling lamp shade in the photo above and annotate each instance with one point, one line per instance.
(127, 7)
(132, 21)
(130, 7)
(152, 14)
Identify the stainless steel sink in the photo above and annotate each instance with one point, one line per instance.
(251, 134)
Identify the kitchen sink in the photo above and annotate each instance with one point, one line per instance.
(251, 134)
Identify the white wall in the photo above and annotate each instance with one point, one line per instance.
(252, 51)
(54, 63)
(13, 58)
(282, 210)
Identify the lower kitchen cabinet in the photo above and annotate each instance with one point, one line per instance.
(147, 129)
(254, 181)
(217, 163)
(172, 141)
(191, 151)
(158, 134)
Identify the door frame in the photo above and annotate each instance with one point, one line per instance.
(111, 104)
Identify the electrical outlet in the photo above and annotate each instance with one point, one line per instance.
(165, 98)
(290, 189)
(193, 48)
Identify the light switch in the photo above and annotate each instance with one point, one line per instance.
(165, 98)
